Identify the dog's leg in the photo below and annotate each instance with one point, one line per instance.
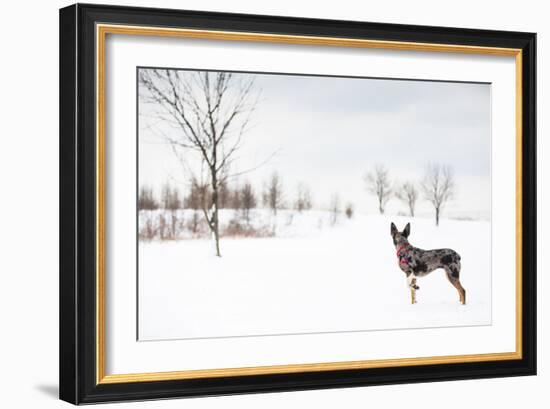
(411, 280)
(461, 291)
(455, 281)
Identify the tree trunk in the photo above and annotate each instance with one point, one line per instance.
(215, 225)
(437, 216)
(216, 230)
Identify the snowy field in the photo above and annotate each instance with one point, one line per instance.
(310, 277)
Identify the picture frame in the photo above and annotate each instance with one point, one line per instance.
(83, 218)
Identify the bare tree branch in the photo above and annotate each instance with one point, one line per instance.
(378, 183)
(211, 112)
(273, 193)
(408, 194)
(438, 187)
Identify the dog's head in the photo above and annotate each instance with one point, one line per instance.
(400, 238)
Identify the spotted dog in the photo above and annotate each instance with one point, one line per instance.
(415, 262)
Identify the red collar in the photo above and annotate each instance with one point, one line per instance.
(401, 257)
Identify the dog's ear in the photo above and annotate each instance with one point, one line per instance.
(393, 229)
(407, 230)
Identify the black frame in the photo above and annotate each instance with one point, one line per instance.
(78, 212)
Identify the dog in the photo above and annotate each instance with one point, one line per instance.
(415, 262)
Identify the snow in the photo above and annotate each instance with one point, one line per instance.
(310, 277)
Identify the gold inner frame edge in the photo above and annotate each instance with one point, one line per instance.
(101, 32)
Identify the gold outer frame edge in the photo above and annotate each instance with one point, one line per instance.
(319, 367)
(101, 32)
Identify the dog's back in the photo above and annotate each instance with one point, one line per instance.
(430, 260)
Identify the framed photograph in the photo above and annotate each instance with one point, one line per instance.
(257, 203)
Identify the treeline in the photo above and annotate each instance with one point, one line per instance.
(199, 196)
(172, 211)
(238, 197)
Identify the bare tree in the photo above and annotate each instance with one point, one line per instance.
(146, 199)
(171, 202)
(147, 229)
(303, 198)
(248, 200)
(438, 186)
(196, 200)
(334, 209)
(273, 193)
(170, 197)
(408, 194)
(349, 210)
(236, 197)
(224, 195)
(198, 196)
(162, 227)
(378, 183)
(210, 112)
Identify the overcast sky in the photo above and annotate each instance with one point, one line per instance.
(328, 132)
